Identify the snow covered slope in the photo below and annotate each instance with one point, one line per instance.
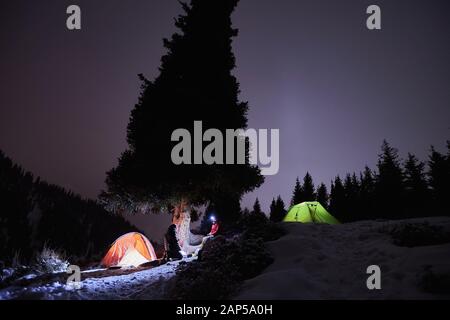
(147, 284)
(330, 262)
(312, 261)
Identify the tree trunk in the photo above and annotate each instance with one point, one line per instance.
(182, 219)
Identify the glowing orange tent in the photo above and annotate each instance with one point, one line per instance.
(131, 249)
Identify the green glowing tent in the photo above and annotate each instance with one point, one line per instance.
(309, 212)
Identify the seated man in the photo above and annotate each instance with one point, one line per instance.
(214, 230)
(214, 227)
(171, 244)
(211, 234)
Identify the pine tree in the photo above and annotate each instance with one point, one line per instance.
(448, 152)
(351, 187)
(439, 178)
(367, 194)
(195, 84)
(272, 208)
(15, 199)
(322, 195)
(416, 188)
(277, 210)
(390, 184)
(297, 195)
(281, 208)
(257, 207)
(338, 201)
(245, 212)
(309, 193)
(256, 216)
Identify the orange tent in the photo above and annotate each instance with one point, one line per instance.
(131, 249)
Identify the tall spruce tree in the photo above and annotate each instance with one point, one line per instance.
(195, 84)
(277, 210)
(390, 184)
(417, 196)
(272, 209)
(16, 203)
(257, 215)
(322, 195)
(351, 187)
(297, 194)
(367, 194)
(439, 178)
(309, 193)
(257, 207)
(338, 207)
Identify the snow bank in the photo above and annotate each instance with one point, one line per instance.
(147, 284)
(312, 261)
(315, 261)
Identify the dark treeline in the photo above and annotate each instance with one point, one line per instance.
(34, 214)
(397, 189)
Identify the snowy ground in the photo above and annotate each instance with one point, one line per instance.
(312, 261)
(147, 284)
(329, 262)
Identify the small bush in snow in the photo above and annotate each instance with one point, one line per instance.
(49, 261)
(417, 234)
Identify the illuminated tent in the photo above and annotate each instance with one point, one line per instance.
(131, 249)
(309, 212)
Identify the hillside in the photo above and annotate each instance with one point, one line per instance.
(35, 214)
(329, 262)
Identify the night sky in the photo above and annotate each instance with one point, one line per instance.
(310, 68)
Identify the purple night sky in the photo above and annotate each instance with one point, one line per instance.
(310, 68)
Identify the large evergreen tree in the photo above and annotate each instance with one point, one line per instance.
(16, 203)
(277, 210)
(351, 188)
(367, 194)
(322, 195)
(439, 178)
(309, 192)
(417, 200)
(257, 207)
(390, 184)
(338, 206)
(297, 194)
(195, 84)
